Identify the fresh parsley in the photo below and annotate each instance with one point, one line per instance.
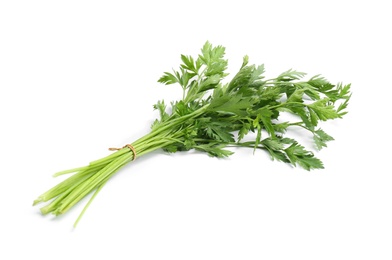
(215, 114)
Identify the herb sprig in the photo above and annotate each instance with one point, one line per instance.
(213, 115)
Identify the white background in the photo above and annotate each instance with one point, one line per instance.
(77, 77)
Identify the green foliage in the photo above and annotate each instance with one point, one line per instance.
(250, 103)
(230, 104)
(320, 138)
(214, 150)
(297, 154)
(213, 115)
(290, 75)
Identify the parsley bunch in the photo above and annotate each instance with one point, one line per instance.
(213, 115)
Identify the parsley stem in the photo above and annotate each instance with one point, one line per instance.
(69, 171)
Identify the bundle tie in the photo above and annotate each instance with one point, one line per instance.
(127, 145)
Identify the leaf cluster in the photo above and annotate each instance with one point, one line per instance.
(213, 115)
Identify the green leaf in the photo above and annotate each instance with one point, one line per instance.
(243, 131)
(209, 83)
(345, 95)
(320, 83)
(265, 114)
(241, 79)
(273, 143)
(324, 110)
(185, 77)
(344, 91)
(189, 63)
(218, 131)
(299, 110)
(206, 50)
(313, 117)
(257, 73)
(290, 75)
(278, 155)
(270, 93)
(168, 79)
(281, 127)
(320, 138)
(247, 79)
(171, 148)
(214, 150)
(245, 61)
(274, 147)
(155, 124)
(309, 90)
(296, 96)
(342, 107)
(181, 108)
(231, 104)
(216, 68)
(161, 107)
(298, 155)
(212, 57)
(258, 138)
(309, 162)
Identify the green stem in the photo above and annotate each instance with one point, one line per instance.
(86, 187)
(95, 175)
(88, 203)
(69, 171)
(171, 124)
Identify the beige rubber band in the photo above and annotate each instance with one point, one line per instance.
(127, 145)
